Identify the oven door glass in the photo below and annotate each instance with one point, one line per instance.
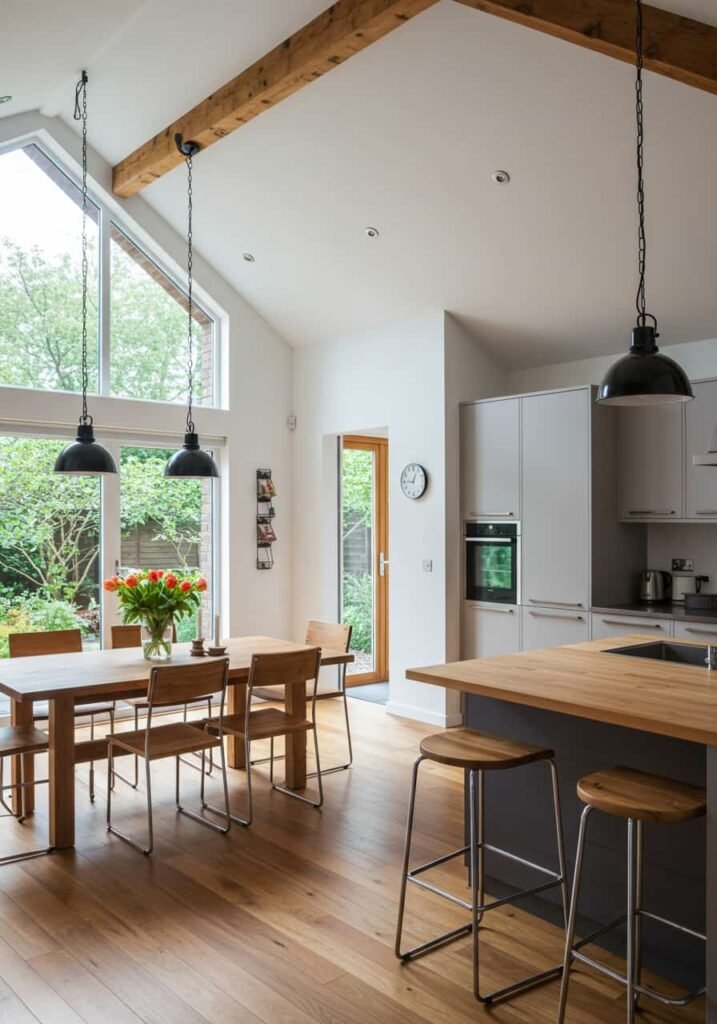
(492, 570)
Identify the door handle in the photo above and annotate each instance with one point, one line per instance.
(642, 626)
(382, 563)
(547, 615)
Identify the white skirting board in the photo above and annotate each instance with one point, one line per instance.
(442, 721)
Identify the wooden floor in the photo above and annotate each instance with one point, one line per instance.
(289, 922)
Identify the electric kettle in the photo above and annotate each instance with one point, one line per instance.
(655, 585)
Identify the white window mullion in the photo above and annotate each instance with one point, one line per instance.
(104, 303)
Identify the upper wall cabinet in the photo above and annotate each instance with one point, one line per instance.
(556, 499)
(651, 456)
(700, 481)
(490, 459)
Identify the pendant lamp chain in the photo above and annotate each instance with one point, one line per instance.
(81, 115)
(640, 300)
(190, 333)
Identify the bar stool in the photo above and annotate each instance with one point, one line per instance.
(637, 797)
(478, 753)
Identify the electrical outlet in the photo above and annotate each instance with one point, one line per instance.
(427, 565)
(683, 565)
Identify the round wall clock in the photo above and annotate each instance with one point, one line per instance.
(414, 480)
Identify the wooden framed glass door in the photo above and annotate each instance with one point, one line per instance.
(364, 560)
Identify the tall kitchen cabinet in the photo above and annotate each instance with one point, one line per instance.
(549, 461)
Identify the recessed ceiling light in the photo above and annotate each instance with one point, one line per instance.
(372, 232)
(249, 257)
(5, 99)
(500, 177)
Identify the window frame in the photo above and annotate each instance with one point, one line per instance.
(109, 214)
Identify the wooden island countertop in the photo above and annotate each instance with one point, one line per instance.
(661, 697)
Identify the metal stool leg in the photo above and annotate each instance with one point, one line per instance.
(250, 800)
(560, 839)
(146, 850)
(92, 763)
(631, 914)
(640, 844)
(193, 814)
(570, 933)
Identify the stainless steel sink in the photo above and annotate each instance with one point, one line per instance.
(661, 650)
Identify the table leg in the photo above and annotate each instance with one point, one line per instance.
(711, 929)
(296, 742)
(236, 705)
(62, 772)
(21, 714)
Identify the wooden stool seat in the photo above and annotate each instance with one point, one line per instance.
(22, 739)
(478, 751)
(627, 793)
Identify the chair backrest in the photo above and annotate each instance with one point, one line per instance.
(284, 669)
(126, 636)
(178, 684)
(52, 641)
(328, 635)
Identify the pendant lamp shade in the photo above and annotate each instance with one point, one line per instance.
(644, 376)
(190, 462)
(84, 457)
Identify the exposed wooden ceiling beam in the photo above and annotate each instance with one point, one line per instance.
(346, 28)
(677, 47)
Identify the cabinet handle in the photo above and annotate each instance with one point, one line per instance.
(558, 604)
(493, 515)
(497, 611)
(651, 512)
(642, 625)
(547, 615)
(703, 632)
(706, 512)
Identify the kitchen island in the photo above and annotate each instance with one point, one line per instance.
(596, 709)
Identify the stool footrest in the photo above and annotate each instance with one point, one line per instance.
(621, 979)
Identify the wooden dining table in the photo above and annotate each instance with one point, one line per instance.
(67, 680)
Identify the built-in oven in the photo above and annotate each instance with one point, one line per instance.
(492, 562)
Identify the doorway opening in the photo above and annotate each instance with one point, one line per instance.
(364, 557)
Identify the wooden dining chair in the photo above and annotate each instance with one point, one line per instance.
(60, 641)
(329, 636)
(170, 685)
(267, 672)
(126, 636)
(20, 741)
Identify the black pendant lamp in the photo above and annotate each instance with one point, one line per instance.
(644, 376)
(84, 457)
(190, 460)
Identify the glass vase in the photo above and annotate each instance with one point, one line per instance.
(157, 641)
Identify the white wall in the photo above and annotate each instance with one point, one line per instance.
(697, 358)
(257, 374)
(392, 378)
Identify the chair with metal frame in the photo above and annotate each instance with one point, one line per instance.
(127, 636)
(331, 636)
(20, 741)
(267, 671)
(636, 797)
(170, 685)
(477, 754)
(60, 641)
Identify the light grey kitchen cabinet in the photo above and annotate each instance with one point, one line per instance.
(607, 624)
(651, 460)
(702, 632)
(490, 459)
(490, 630)
(551, 627)
(556, 499)
(700, 481)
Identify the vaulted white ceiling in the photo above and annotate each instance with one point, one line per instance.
(405, 137)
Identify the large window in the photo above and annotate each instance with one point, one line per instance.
(40, 275)
(137, 322)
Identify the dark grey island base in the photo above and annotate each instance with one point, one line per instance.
(519, 818)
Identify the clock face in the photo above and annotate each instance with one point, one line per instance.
(414, 480)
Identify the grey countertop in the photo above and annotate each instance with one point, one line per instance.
(664, 610)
